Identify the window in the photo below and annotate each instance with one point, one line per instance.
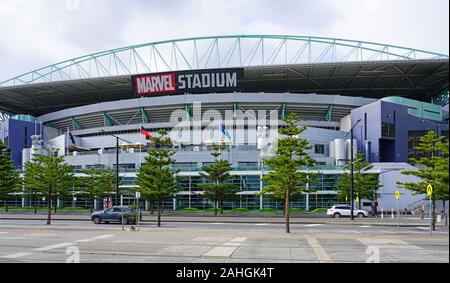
(387, 130)
(413, 142)
(319, 149)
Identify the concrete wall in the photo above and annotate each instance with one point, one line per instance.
(384, 112)
(17, 134)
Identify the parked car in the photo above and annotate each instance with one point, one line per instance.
(114, 214)
(345, 211)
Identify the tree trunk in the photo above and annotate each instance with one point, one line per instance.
(159, 213)
(221, 207)
(216, 204)
(92, 206)
(445, 213)
(433, 212)
(35, 206)
(49, 208)
(286, 212)
(56, 206)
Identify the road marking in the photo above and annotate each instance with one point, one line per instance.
(1, 233)
(262, 224)
(233, 244)
(220, 252)
(217, 223)
(94, 239)
(313, 225)
(85, 241)
(423, 228)
(239, 240)
(388, 244)
(365, 226)
(17, 255)
(103, 237)
(227, 249)
(321, 255)
(57, 246)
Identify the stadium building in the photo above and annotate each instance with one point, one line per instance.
(234, 90)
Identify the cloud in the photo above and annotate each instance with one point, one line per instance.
(42, 32)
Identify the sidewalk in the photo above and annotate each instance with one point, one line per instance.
(405, 221)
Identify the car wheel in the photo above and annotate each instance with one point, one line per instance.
(97, 220)
(360, 215)
(337, 215)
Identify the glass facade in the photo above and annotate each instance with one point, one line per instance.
(413, 142)
(387, 130)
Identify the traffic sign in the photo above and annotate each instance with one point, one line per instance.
(397, 195)
(430, 190)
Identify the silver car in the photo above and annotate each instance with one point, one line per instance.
(345, 211)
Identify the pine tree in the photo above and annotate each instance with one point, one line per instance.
(432, 169)
(218, 189)
(97, 184)
(365, 185)
(48, 176)
(156, 178)
(9, 178)
(442, 176)
(292, 154)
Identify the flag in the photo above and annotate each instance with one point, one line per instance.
(224, 131)
(72, 139)
(146, 133)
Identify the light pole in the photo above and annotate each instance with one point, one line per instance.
(117, 163)
(352, 173)
(262, 144)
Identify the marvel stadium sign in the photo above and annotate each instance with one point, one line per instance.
(200, 81)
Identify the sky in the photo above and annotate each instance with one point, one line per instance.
(37, 33)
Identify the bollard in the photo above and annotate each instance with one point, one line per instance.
(392, 213)
(382, 213)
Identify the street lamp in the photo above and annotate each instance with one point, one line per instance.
(352, 169)
(262, 145)
(117, 163)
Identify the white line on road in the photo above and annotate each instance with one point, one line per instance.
(239, 240)
(227, 249)
(84, 241)
(220, 252)
(262, 224)
(321, 254)
(94, 239)
(57, 246)
(103, 237)
(232, 244)
(365, 226)
(17, 255)
(313, 225)
(1, 233)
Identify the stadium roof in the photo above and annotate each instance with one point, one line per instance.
(272, 63)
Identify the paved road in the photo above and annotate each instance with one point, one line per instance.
(182, 242)
(405, 221)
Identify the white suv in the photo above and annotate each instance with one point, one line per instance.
(345, 211)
